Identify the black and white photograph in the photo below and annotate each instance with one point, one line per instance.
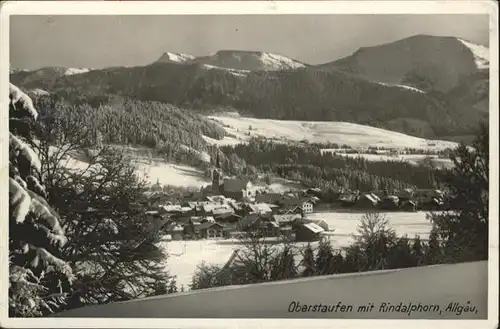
(206, 164)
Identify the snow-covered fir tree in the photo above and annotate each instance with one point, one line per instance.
(38, 277)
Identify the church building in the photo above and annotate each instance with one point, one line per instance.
(234, 188)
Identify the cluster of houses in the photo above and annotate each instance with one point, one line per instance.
(230, 207)
(220, 217)
(406, 200)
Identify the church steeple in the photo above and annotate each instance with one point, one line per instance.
(217, 180)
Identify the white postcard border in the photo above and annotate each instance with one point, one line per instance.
(9, 8)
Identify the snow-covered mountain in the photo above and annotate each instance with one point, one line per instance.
(250, 60)
(72, 71)
(422, 61)
(480, 52)
(237, 60)
(168, 57)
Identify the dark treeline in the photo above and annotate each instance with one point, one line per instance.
(376, 247)
(306, 163)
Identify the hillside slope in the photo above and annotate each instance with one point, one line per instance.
(356, 136)
(422, 61)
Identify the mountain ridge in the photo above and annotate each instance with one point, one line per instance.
(432, 101)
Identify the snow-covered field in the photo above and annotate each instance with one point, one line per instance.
(73, 71)
(238, 73)
(153, 171)
(185, 256)
(354, 135)
(402, 86)
(411, 158)
(170, 174)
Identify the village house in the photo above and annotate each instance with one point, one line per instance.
(322, 223)
(263, 209)
(306, 205)
(250, 223)
(348, 198)
(404, 195)
(210, 230)
(175, 231)
(230, 230)
(286, 219)
(206, 219)
(270, 229)
(227, 218)
(428, 196)
(220, 199)
(367, 201)
(272, 198)
(314, 192)
(172, 209)
(390, 202)
(223, 210)
(308, 232)
(408, 205)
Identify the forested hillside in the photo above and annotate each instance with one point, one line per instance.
(166, 129)
(305, 94)
(306, 163)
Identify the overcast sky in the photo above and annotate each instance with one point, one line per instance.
(103, 41)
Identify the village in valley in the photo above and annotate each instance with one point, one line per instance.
(231, 207)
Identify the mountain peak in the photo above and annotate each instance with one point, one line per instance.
(175, 57)
(421, 61)
(251, 60)
(248, 60)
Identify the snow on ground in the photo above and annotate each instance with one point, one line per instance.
(354, 135)
(481, 53)
(236, 72)
(185, 256)
(279, 62)
(153, 171)
(38, 92)
(179, 57)
(73, 71)
(345, 224)
(226, 141)
(171, 174)
(402, 86)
